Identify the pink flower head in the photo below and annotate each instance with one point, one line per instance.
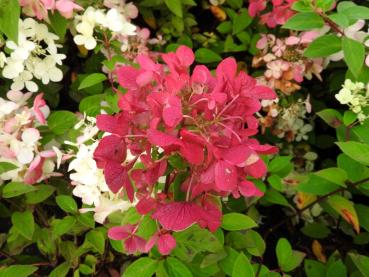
(200, 122)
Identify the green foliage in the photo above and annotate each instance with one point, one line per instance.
(9, 16)
(304, 21)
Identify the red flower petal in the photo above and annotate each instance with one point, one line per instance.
(134, 244)
(225, 176)
(120, 232)
(112, 124)
(161, 139)
(110, 148)
(248, 189)
(116, 176)
(177, 216)
(166, 243)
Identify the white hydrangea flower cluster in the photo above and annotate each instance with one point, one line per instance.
(291, 120)
(89, 181)
(112, 20)
(356, 96)
(19, 140)
(35, 55)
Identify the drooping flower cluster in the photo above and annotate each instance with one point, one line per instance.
(20, 140)
(114, 20)
(40, 8)
(35, 55)
(170, 120)
(289, 122)
(356, 96)
(89, 180)
(280, 13)
(285, 64)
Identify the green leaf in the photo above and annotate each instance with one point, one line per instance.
(283, 252)
(357, 12)
(193, 241)
(9, 17)
(354, 55)
(288, 259)
(5, 167)
(304, 21)
(255, 243)
(354, 170)
(97, 240)
(18, 271)
(176, 268)
(66, 203)
(336, 269)
(323, 46)
(225, 27)
(91, 105)
(349, 117)
(272, 196)
(24, 223)
(279, 164)
(361, 262)
(355, 150)
(241, 21)
(59, 122)
(242, 267)
(14, 189)
(212, 259)
(332, 117)
(175, 6)
(237, 221)
(315, 230)
(325, 5)
(41, 193)
(58, 24)
(340, 19)
(314, 268)
(317, 185)
(362, 213)
(346, 209)
(91, 80)
(64, 225)
(301, 6)
(227, 264)
(204, 55)
(235, 4)
(333, 174)
(144, 267)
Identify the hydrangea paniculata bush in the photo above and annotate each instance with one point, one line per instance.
(204, 121)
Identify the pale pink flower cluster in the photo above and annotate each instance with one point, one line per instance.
(286, 67)
(40, 8)
(20, 139)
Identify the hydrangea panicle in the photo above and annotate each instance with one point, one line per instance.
(206, 120)
(20, 139)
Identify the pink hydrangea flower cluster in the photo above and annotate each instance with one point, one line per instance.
(20, 139)
(286, 66)
(205, 121)
(279, 14)
(40, 8)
